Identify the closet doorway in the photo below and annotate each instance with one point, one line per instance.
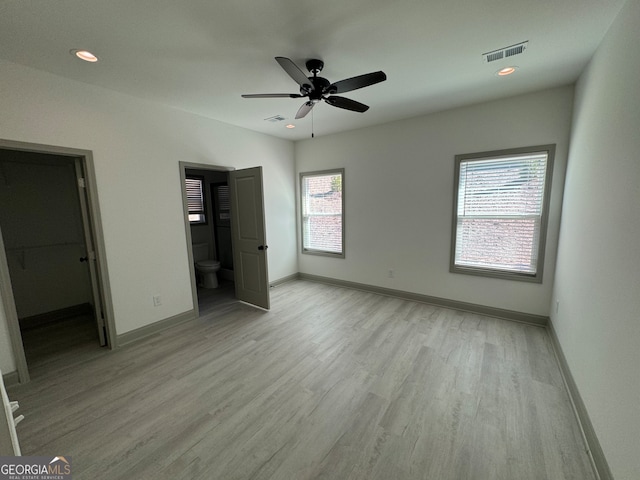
(51, 265)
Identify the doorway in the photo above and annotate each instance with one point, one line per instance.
(210, 228)
(228, 225)
(51, 255)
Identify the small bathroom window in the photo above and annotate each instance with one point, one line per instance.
(223, 198)
(195, 200)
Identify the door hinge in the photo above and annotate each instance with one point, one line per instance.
(81, 183)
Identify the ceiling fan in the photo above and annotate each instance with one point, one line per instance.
(318, 88)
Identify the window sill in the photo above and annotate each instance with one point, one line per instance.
(500, 274)
(321, 253)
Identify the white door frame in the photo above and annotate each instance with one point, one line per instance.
(95, 227)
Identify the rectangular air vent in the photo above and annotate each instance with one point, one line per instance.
(275, 118)
(492, 57)
(505, 52)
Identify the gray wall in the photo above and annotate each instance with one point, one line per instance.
(597, 287)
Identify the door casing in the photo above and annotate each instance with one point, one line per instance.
(93, 226)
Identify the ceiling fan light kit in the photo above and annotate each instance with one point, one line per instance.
(317, 88)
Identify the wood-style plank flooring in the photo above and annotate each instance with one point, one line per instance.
(55, 342)
(331, 383)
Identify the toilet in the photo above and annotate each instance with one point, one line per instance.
(206, 268)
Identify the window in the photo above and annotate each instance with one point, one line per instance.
(195, 199)
(322, 206)
(500, 212)
(222, 204)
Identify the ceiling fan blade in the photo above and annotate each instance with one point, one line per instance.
(272, 95)
(347, 104)
(304, 109)
(295, 73)
(354, 83)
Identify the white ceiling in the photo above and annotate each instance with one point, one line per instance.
(201, 55)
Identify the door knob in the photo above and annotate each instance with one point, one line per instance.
(263, 247)
(84, 259)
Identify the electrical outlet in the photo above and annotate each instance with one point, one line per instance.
(157, 301)
(391, 273)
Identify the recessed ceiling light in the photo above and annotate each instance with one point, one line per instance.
(85, 55)
(290, 126)
(503, 72)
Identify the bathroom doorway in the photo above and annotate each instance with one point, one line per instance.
(229, 225)
(51, 255)
(210, 228)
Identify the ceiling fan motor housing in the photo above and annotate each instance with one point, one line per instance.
(314, 65)
(320, 88)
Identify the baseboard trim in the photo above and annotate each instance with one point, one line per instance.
(537, 320)
(148, 330)
(594, 449)
(280, 281)
(10, 379)
(55, 315)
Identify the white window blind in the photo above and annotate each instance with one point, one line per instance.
(322, 218)
(195, 200)
(499, 217)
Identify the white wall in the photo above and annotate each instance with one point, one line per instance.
(136, 149)
(399, 196)
(598, 270)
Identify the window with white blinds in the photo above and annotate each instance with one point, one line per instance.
(322, 207)
(223, 204)
(500, 212)
(195, 199)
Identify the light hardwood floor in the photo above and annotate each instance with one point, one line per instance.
(331, 383)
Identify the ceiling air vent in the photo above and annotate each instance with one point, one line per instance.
(505, 52)
(275, 118)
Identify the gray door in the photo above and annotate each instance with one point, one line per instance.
(90, 254)
(249, 237)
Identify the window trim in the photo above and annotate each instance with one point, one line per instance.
(319, 173)
(201, 179)
(544, 218)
